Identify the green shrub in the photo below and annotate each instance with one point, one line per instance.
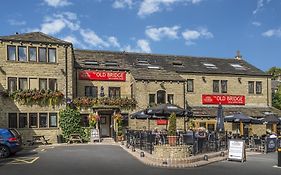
(70, 122)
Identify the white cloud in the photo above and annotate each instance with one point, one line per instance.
(122, 4)
(148, 7)
(191, 35)
(260, 5)
(57, 3)
(157, 34)
(272, 33)
(52, 27)
(256, 23)
(57, 22)
(16, 22)
(91, 38)
(113, 41)
(142, 46)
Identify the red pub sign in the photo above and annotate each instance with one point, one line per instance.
(102, 75)
(162, 122)
(223, 99)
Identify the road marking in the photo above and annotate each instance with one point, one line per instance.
(275, 166)
(20, 160)
(43, 150)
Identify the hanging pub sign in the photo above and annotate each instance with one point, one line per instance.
(162, 122)
(223, 99)
(102, 75)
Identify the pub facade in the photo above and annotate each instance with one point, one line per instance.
(109, 83)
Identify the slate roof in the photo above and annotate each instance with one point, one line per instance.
(38, 37)
(257, 112)
(165, 67)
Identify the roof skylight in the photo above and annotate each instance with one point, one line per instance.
(111, 63)
(177, 63)
(143, 63)
(153, 67)
(238, 67)
(210, 66)
(90, 62)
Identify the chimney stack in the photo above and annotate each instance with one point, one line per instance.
(238, 55)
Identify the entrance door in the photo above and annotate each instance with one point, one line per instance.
(105, 125)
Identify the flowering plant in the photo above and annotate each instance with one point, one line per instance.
(93, 119)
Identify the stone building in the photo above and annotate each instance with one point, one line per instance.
(121, 80)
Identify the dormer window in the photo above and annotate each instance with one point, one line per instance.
(111, 63)
(90, 62)
(178, 63)
(143, 63)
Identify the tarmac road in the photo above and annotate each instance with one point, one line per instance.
(108, 160)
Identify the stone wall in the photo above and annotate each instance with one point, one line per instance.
(171, 152)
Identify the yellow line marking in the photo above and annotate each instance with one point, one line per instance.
(21, 160)
(42, 150)
(34, 160)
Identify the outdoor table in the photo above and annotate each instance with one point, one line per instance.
(39, 139)
(75, 138)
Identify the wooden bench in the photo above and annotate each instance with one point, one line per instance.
(38, 139)
(75, 138)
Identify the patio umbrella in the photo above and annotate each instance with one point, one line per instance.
(220, 119)
(239, 117)
(270, 119)
(140, 115)
(165, 110)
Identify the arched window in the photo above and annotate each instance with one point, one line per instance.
(161, 97)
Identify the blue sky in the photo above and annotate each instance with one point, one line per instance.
(211, 28)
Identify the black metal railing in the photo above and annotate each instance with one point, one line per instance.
(146, 140)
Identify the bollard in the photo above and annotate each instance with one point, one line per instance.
(279, 157)
(133, 149)
(142, 154)
(205, 157)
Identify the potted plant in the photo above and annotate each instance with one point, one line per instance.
(172, 129)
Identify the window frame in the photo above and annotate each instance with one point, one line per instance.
(25, 124)
(9, 85)
(30, 122)
(39, 55)
(259, 88)
(40, 116)
(36, 54)
(10, 125)
(216, 85)
(223, 86)
(43, 79)
(20, 83)
(93, 91)
(55, 84)
(252, 87)
(151, 99)
(18, 50)
(50, 117)
(161, 97)
(170, 98)
(8, 53)
(55, 54)
(190, 88)
(113, 92)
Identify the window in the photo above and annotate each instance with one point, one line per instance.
(216, 86)
(151, 99)
(13, 120)
(190, 85)
(84, 120)
(111, 63)
(223, 86)
(42, 55)
(12, 84)
(91, 91)
(43, 120)
(171, 98)
(258, 87)
(33, 83)
(210, 66)
(42, 84)
(161, 97)
(23, 120)
(33, 120)
(23, 84)
(22, 56)
(53, 122)
(53, 84)
(251, 85)
(238, 67)
(32, 54)
(114, 92)
(12, 53)
(52, 55)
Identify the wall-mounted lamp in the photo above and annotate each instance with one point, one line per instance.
(239, 79)
(204, 79)
(63, 72)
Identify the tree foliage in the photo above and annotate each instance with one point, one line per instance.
(276, 99)
(70, 122)
(275, 72)
(172, 125)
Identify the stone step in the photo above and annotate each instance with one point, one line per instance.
(107, 140)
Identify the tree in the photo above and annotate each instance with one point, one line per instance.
(70, 122)
(275, 72)
(276, 99)
(172, 125)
